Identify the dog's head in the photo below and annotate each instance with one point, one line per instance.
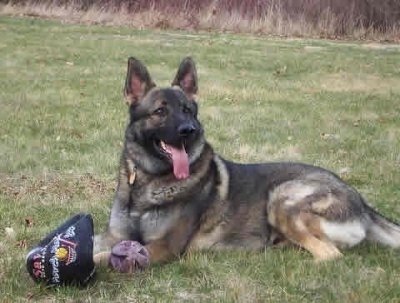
(163, 121)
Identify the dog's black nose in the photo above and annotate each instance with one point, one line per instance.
(186, 129)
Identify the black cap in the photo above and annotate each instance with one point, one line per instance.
(65, 256)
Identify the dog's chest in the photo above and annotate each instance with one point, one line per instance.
(156, 222)
(156, 192)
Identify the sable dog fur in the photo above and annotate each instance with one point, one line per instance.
(175, 194)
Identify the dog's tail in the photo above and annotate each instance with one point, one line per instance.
(383, 230)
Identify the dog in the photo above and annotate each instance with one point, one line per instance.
(175, 195)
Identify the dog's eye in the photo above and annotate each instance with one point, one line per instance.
(161, 111)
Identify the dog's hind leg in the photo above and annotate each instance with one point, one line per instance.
(290, 213)
(304, 230)
(321, 250)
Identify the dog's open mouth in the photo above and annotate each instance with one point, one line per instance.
(179, 158)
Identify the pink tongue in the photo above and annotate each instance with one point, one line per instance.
(180, 161)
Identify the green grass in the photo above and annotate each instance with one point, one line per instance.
(334, 104)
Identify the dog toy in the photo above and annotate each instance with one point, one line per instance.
(65, 256)
(128, 256)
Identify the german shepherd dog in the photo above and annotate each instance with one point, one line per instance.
(176, 195)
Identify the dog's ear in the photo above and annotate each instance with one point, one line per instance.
(186, 78)
(138, 81)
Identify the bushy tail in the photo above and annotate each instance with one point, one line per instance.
(383, 230)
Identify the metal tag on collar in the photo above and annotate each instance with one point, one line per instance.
(131, 172)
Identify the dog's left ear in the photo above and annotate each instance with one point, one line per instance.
(186, 78)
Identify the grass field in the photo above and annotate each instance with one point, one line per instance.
(333, 104)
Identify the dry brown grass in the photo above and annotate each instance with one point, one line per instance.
(305, 18)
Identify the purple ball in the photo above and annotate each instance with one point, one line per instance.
(129, 256)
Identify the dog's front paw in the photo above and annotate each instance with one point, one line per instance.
(128, 256)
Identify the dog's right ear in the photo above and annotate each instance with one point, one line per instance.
(138, 81)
